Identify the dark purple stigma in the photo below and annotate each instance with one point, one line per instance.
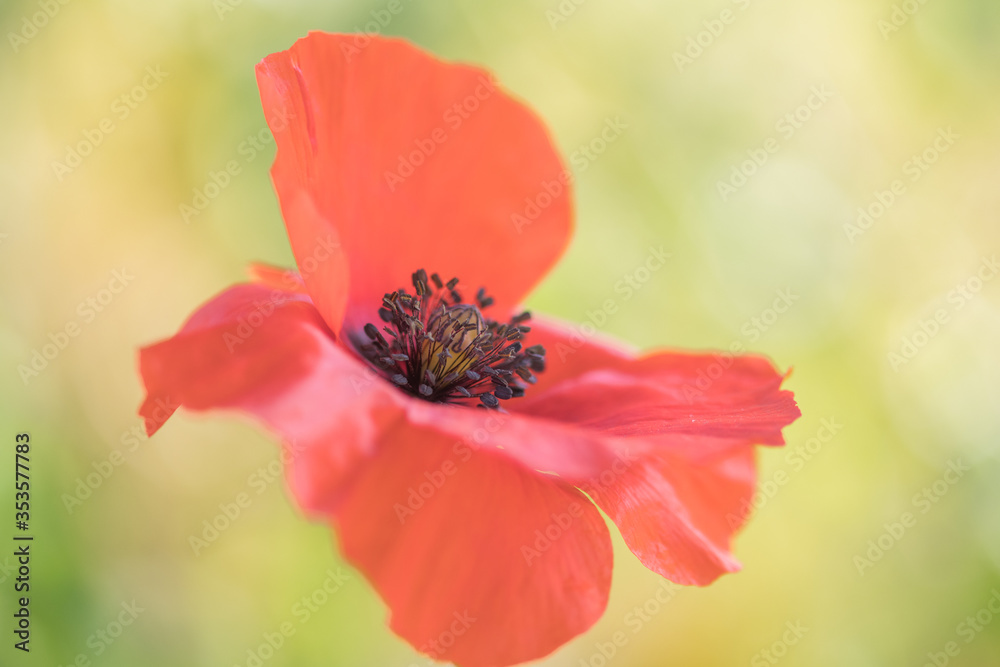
(437, 348)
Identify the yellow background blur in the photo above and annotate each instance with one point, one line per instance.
(702, 87)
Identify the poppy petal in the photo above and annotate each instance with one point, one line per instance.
(406, 162)
(717, 395)
(571, 350)
(481, 562)
(690, 422)
(283, 367)
(573, 453)
(678, 515)
(276, 276)
(267, 352)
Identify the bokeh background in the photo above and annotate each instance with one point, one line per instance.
(822, 553)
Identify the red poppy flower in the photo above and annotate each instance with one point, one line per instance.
(472, 524)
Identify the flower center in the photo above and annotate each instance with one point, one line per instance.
(443, 350)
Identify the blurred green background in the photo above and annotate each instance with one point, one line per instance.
(839, 97)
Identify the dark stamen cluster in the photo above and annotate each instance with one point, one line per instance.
(440, 349)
